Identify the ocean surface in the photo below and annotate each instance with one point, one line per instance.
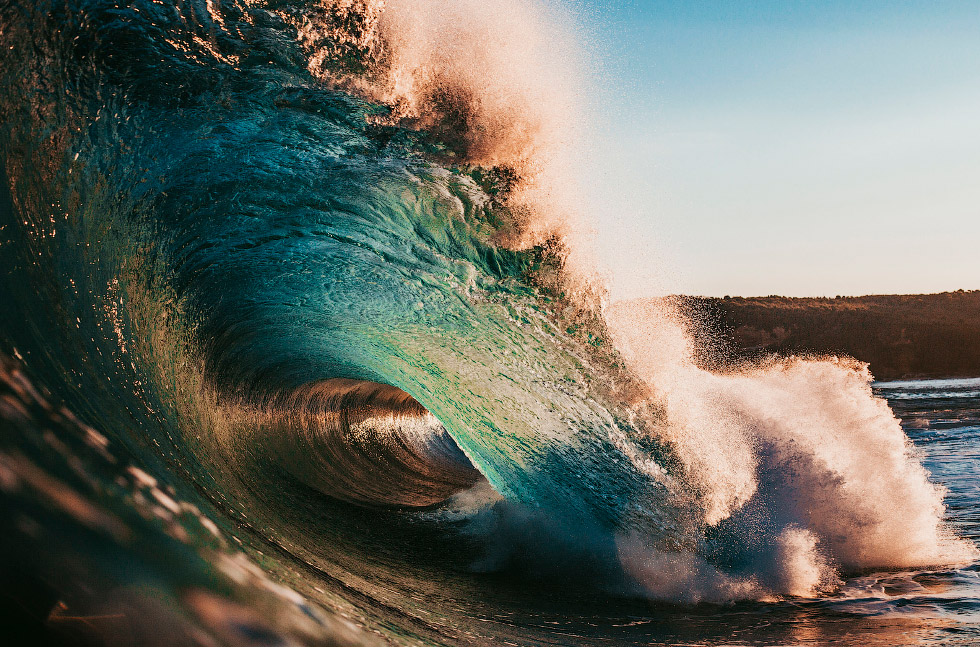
(300, 345)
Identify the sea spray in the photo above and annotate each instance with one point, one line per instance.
(497, 85)
(795, 460)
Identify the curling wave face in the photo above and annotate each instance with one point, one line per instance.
(310, 273)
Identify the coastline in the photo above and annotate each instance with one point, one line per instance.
(901, 337)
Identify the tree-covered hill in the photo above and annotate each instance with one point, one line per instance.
(916, 335)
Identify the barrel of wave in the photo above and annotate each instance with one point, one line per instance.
(363, 442)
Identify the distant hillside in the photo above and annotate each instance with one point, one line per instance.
(900, 336)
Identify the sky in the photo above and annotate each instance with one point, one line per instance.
(802, 148)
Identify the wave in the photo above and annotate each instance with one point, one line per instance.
(318, 273)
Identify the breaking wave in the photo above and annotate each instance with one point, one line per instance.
(314, 278)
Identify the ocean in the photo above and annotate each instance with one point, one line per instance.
(301, 345)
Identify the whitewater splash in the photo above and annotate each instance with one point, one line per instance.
(322, 269)
(796, 458)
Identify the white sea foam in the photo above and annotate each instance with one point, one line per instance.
(799, 454)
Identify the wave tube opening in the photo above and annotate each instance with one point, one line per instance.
(366, 443)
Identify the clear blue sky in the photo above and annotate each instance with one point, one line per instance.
(788, 147)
